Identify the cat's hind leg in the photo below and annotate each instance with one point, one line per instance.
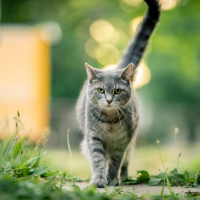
(124, 167)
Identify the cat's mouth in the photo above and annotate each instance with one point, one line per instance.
(109, 107)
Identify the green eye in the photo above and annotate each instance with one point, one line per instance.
(117, 91)
(101, 90)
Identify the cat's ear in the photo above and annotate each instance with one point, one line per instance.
(127, 72)
(90, 72)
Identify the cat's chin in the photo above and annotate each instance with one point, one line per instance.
(109, 107)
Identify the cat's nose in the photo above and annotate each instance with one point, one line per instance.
(109, 101)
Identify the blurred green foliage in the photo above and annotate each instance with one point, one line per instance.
(173, 55)
(174, 59)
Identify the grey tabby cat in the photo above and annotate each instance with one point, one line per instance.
(107, 109)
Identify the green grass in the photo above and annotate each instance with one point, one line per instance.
(28, 171)
(143, 158)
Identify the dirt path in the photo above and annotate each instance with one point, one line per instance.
(144, 189)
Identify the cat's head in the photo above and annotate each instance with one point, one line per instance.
(109, 88)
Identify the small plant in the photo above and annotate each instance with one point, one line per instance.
(70, 153)
(19, 159)
(166, 177)
(10, 147)
(176, 132)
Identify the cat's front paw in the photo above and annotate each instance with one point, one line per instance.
(98, 180)
(113, 181)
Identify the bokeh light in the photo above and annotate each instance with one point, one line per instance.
(168, 4)
(165, 4)
(135, 23)
(142, 76)
(90, 47)
(132, 2)
(50, 32)
(110, 67)
(106, 54)
(116, 37)
(101, 30)
(101, 51)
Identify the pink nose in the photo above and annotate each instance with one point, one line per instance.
(109, 101)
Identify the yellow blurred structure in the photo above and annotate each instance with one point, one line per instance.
(25, 77)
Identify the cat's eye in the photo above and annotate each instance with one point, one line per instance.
(101, 90)
(117, 91)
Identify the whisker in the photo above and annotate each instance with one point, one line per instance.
(125, 116)
(92, 117)
(119, 117)
(125, 108)
(95, 118)
(86, 109)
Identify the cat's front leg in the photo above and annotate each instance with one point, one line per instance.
(115, 161)
(97, 159)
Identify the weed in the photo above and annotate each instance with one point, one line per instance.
(176, 131)
(166, 177)
(22, 176)
(70, 153)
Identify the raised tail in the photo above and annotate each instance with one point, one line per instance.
(136, 48)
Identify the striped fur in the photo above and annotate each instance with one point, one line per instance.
(109, 120)
(136, 48)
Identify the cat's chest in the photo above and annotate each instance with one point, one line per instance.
(110, 127)
(113, 133)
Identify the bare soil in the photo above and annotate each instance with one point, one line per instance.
(145, 189)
